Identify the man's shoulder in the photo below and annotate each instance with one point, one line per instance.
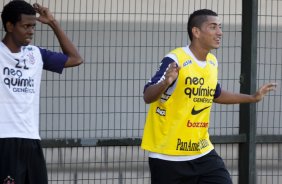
(182, 54)
(178, 50)
(211, 56)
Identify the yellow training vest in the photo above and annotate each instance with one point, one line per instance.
(179, 126)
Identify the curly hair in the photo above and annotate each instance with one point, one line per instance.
(197, 18)
(14, 9)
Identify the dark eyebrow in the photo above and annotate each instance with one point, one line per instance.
(28, 24)
(215, 24)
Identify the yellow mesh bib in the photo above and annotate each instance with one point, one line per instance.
(179, 126)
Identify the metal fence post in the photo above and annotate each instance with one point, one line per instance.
(247, 150)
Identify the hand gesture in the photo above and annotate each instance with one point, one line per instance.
(171, 73)
(45, 15)
(263, 90)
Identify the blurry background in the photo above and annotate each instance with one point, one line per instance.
(92, 116)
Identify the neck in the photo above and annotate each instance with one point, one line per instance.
(14, 48)
(199, 52)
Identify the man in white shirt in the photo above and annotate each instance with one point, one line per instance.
(21, 64)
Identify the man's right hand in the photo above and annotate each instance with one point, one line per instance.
(171, 73)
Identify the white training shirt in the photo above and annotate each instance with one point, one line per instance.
(20, 77)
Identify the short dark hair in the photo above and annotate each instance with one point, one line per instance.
(197, 18)
(14, 9)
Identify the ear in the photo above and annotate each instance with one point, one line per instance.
(196, 32)
(9, 27)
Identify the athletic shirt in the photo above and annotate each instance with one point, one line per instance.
(20, 77)
(177, 124)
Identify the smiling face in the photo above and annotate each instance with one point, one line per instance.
(21, 32)
(209, 33)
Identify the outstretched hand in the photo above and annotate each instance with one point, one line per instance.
(263, 90)
(45, 15)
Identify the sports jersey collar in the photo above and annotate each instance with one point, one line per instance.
(202, 64)
(4, 47)
(18, 54)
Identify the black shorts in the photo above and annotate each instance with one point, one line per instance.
(22, 161)
(207, 169)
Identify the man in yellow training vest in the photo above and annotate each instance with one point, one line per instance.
(180, 95)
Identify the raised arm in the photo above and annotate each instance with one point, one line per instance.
(227, 97)
(68, 48)
(153, 92)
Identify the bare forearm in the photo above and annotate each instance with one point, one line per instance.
(234, 98)
(66, 44)
(154, 92)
